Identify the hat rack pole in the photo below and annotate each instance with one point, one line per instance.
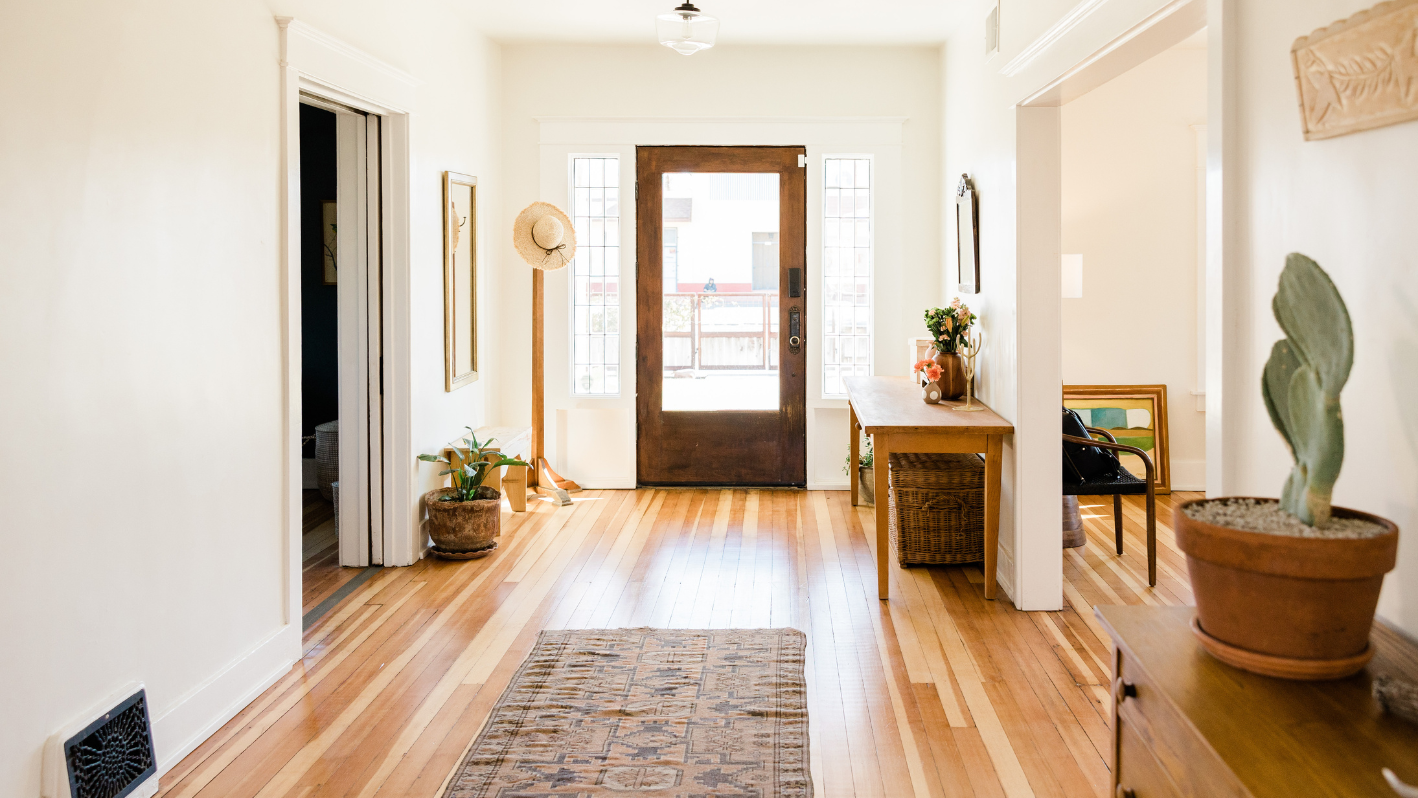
(542, 477)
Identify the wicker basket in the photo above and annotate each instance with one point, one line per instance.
(937, 508)
(327, 456)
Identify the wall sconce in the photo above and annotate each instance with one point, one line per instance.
(1072, 276)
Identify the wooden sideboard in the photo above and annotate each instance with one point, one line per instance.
(1184, 724)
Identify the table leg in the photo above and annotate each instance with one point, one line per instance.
(994, 452)
(881, 460)
(855, 446)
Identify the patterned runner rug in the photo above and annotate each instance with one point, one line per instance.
(650, 712)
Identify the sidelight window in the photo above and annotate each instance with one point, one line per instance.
(846, 272)
(595, 276)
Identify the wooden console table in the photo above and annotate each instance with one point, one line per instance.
(1185, 724)
(890, 410)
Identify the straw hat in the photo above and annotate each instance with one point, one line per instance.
(544, 236)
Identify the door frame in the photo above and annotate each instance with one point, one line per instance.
(1054, 75)
(318, 65)
(790, 422)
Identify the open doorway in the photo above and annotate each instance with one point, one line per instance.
(1132, 234)
(340, 382)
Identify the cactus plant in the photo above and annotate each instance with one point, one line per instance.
(1301, 384)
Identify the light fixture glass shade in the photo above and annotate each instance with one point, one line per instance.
(686, 30)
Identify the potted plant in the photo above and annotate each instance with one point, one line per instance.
(949, 328)
(463, 519)
(1288, 588)
(866, 475)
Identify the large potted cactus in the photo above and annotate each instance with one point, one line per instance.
(1289, 588)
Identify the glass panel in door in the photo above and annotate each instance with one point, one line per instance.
(720, 263)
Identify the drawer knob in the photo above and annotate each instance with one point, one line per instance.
(1122, 691)
(1123, 792)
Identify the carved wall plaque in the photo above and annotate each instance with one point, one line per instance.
(1360, 73)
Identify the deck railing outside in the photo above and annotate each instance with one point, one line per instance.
(724, 331)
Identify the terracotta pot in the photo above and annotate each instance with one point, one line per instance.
(462, 528)
(952, 379)
(1298, 608)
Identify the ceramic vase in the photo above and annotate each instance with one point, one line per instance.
(930, 392)
(952, 378)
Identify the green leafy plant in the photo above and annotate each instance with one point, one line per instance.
(470, 474)
(950, 326)
(1301, 384)
(864, 459)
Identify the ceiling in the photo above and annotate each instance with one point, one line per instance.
(740, 21)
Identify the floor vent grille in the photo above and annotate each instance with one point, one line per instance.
(111, 757)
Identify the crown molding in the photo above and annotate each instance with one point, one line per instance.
(1050, 37)
(298, 38)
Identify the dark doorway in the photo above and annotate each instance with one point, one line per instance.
(721, 315)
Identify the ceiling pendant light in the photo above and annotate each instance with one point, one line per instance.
(686, 30)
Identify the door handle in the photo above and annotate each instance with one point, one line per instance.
(795, 330)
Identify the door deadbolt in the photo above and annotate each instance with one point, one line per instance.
(795, 330)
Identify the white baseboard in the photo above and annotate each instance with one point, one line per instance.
(843, 485)
(207, 707)
(1188, 475)
(607, 483)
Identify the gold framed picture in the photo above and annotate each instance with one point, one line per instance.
(1136, 415)
(460, 280)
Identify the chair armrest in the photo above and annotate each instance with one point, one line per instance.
(1146, 461)
(1103, 432)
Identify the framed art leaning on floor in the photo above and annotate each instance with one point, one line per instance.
(1135, 414)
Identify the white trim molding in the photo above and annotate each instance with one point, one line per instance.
(1050, 37)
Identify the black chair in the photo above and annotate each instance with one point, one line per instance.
(1094, 470)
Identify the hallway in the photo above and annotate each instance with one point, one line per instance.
(938, 694)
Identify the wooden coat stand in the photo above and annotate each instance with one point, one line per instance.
(542, 477)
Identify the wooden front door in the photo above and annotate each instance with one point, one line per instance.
(721, 315)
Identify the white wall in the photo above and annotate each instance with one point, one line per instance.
(140, 309)
(1129, 207)
(651, 95)
(1349, 204)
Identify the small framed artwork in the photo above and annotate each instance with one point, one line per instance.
(328, 226)
(967, 236)
(1134, 414)
(460, 280)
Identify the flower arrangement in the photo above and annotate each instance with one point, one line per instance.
(950, 326)
(932, 371)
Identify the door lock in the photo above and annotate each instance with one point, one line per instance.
(795, 330)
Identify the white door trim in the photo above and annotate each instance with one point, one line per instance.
(320, 65)
(1112, 38)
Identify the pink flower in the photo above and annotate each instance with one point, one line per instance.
(933, 372)
(921, 365)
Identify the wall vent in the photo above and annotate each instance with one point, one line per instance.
(107, 753)
(992, 31)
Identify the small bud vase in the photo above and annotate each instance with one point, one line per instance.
(930, 393)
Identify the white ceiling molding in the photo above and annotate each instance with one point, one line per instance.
(1051, 36)
(340, 65)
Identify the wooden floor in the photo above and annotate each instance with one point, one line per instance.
(321, 574)
(936, 693)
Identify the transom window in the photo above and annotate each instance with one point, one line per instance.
(846, 272)
(595, 276)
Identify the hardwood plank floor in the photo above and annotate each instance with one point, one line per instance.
(321, 574)
(935, 693)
